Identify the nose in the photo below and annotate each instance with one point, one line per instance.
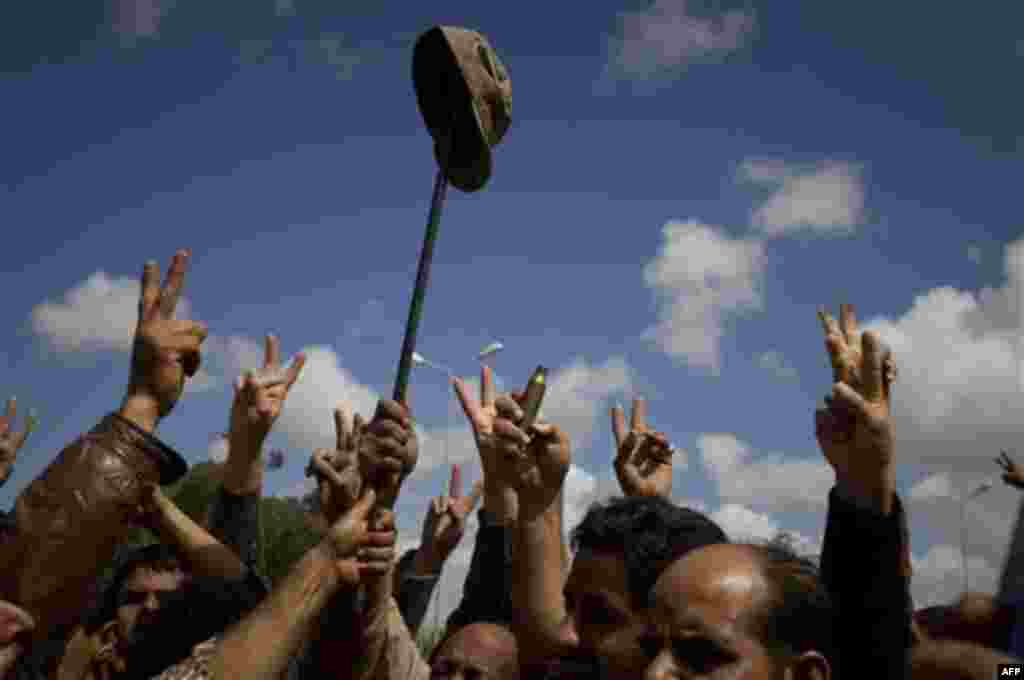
(659, 668)
(568, 633)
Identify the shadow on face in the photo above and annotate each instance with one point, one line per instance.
(601, 613)
(140, 595)
(479, 651)
(704, 621)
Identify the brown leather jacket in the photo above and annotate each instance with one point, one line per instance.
(69, 520)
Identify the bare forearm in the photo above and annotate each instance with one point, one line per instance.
(205, 554)
(243, 470)
(258, 648)
(537, 578)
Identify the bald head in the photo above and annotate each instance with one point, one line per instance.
(479, 648)
(740, 609)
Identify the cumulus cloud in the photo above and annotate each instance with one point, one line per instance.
(575, 400)
(776, 364)
(958, 400)
(667, 37)
(933, 486)
(827, 199)
(217, 452)
(769, 481)
(701, 278)
(939, 577)
(741, 524)
(99, 314)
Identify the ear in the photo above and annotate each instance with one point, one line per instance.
(808, 666)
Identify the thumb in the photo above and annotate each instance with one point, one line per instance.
(361, 510)
(848, 397)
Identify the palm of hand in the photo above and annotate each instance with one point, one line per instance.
(650, 477)
(852, 436)
(541, 472)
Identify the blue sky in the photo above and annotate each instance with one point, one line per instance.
(806, 156)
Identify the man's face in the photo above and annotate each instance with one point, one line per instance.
(700, 621)
(601, 612)
(480, 651)
(139, 599)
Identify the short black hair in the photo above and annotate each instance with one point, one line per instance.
(203, 608)
(155, 556)
(797, 615)
(649, 532)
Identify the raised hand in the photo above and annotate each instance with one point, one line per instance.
(337, 472)
(1012, 473)
(534, 463)
(845, 349)
(259, 398)
(11, 440)
(359, 548)
(499, 498)
(165, 351)
(854, 430)
(445, 524)
(15, 626)
(388, 450)
(643, 460)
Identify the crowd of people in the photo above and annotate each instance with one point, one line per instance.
(644, 588)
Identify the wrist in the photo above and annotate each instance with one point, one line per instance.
(427, 562)
(142, 410)
(875, 493)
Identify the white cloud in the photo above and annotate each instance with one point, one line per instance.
(959, 399)
(202, 381)
(578, 493)
(701, 277)
(741, 524)
(218, 450)
(827, 199)
(574, 400)
(939, 578)
(770, 481)
(933, 486)
(99, 313)
(776, 364)
(667, 36)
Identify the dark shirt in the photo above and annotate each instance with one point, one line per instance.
(487, 594)
(862, 566)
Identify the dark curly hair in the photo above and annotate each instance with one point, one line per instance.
(649, 532)
(797, 615)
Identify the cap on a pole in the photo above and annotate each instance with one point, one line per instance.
(465, 96)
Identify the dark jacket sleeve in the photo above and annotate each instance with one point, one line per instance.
(863, 568)
(235, 521)
(413, 592)
(487, 594)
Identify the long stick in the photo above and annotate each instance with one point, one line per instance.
(420, 291)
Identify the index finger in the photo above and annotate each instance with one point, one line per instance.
(295, 369)
(173, 283)
(271, 351)
(455, 483)
(618, 425)
(828, 322)
(150, 293)
(639, 414)
(341, 426)
(487, 391)
(872, 372)
(12, 409)
(469, 405)
(848, 322)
